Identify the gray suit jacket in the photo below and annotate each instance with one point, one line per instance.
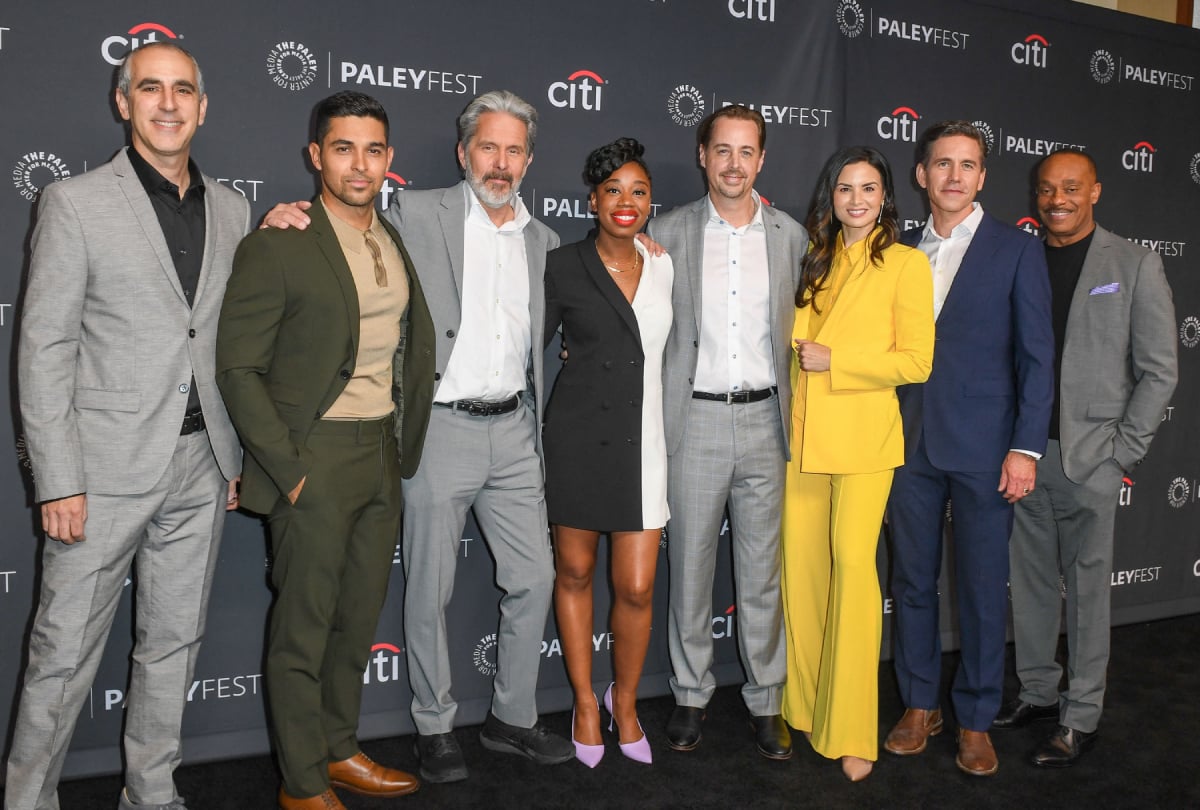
(433, 226)
(681, 232)
(108, 342)
(1119, 359)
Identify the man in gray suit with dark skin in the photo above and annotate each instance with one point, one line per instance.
(134, 457)
(1115, 357)
(480, 257)
(727, 405)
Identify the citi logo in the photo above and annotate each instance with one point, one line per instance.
(723, 624)
(1029, 225)
(1140, 158)
(384, 664)
(392, 183)
(1126, 496)
(114, 48)
(901, 125)
(1032, 51)
(763, 10)
(581, 90)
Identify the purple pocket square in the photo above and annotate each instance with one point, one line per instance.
(1105, 289)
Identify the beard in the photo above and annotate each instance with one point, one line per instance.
(478, 184)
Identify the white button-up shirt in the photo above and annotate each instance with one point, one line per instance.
(946, 255)
(491, 353)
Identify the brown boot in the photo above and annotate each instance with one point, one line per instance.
(975, 753)
(910, 735)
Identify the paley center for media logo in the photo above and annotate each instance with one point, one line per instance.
(1179, 492)
(1031, 51)
(484, 655)
(852, 20)
(685, 105)
(1104, 67)
(1189, 332)
(1194, 168)
(582, 90)
(35, 170)
(1140, 158)
(291, 65)
(113, 49)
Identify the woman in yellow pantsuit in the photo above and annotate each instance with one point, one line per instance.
(864, 324)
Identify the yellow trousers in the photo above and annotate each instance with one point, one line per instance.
(832, 608)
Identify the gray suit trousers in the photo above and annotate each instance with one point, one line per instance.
(490, 464)
(171, 534)
(728, 454)
(1064, 527)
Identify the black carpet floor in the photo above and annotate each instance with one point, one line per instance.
(1148, 756)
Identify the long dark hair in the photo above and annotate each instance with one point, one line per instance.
(823, 227)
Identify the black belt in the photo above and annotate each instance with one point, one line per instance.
(193, 422)
(481, 407)
(739, 397)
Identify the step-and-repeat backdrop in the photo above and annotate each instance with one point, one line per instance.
(1034, 75)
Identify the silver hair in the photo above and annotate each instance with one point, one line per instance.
(498, 101)
(125, 75)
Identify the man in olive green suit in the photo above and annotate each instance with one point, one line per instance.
(325, 359)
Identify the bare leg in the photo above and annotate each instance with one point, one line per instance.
(634, 559)
(575, 565)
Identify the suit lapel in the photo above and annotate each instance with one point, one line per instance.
(693, 235)
(453, 215)
(326, 238)
(779, 274)
(135, 194)
(210, 239)
(608, 287)
(977, 258)
(1093, 274)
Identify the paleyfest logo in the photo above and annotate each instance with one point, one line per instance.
(685, 105)
(29, 175)
(291, 65)
(850, 18)
(1103, 66)
(114, 48)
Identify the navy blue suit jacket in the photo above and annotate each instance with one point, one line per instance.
(992, 383)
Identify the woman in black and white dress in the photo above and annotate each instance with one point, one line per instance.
(606, 459)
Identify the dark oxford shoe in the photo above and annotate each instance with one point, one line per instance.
(1062, 748)
(1018, 714)
(772, 736)
(683, 729)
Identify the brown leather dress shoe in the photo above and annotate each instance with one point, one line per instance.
(323, 801)
(910, 735)
(361, 774)
(975, 753)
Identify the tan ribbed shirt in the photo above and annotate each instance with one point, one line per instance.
(368, 394)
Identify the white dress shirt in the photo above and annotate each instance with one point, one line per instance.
(735, 320)
(491, 353)
(946, 254)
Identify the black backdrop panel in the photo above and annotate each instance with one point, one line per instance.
(1037, 74)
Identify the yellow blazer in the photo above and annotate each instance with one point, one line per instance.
(880, 334)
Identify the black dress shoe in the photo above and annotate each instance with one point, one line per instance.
(440, 758)
(683, 729)
(1018, 714)
(1063, 747)
(772, 737)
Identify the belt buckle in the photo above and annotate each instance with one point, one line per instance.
(729, 397)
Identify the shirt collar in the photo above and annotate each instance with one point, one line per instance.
(964, 229)
(155, 183)
(350, 237)
(477, 213)
(755, 223)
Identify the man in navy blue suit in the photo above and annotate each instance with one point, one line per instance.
(973, 433)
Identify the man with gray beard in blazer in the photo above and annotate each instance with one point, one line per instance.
(727, 402)
(1115, 358)
(135, 460)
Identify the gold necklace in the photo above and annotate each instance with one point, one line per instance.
(635, 262)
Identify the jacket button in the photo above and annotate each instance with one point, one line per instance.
(184, 388)
(605, 405)
(191, 333)
(449, 333)
(436, 376)
(696, 343)
(608, 363)
(344, 374)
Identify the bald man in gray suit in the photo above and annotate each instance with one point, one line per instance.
(133, 454)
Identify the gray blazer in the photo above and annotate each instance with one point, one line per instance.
(108, 342)
(433, 226)
(1119, 358)
(681, 232)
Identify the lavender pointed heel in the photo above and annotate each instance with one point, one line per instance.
(589, 755)
(638, 750)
